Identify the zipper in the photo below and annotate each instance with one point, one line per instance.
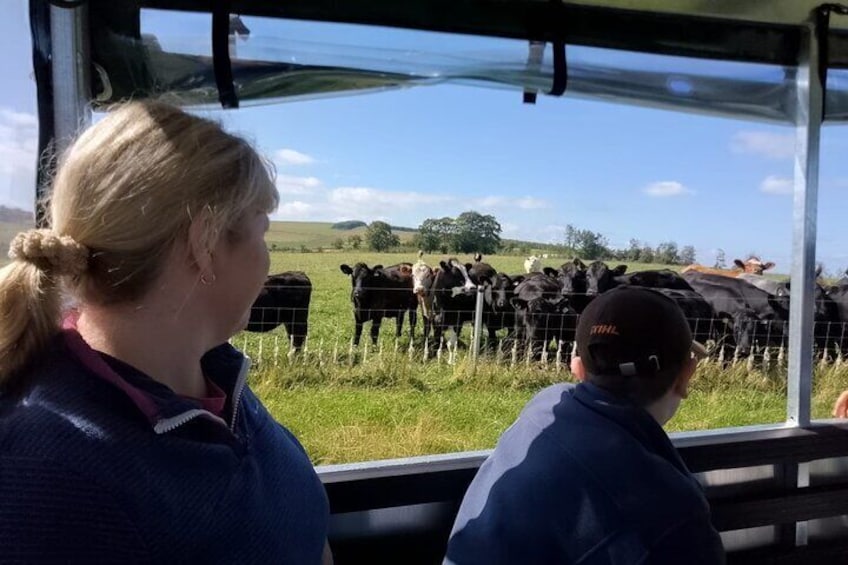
(170, 424)
(239, 389)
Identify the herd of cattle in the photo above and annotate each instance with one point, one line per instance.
(735, 308)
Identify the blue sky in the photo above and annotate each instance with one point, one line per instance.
(411, 154)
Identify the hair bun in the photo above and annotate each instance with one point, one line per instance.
(59, 254)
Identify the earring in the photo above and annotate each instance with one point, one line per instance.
(208, 281)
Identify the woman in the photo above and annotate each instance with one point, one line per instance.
(127, 433)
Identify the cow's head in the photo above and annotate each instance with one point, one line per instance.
(600, 278)
(422, 277)
(753, 265)
(363, 279)
(499, 293)
(572, 277)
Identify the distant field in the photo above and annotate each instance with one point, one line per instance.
(313, 235)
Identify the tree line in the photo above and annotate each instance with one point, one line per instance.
(472, 232)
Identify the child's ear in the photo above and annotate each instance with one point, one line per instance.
(577, 369)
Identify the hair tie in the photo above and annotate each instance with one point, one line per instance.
(59, 254)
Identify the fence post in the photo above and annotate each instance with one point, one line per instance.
(478, 327)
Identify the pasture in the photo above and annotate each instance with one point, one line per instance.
(387, 401)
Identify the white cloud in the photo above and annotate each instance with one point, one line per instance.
(664, 189)
(287, 184)
(295, 210)
(764, 144)
(292, 157)
(18, 154)
(530, 203)
(491, 202)
(774, 184)
(368, 203)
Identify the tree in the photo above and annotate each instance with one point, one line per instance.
(379, 236)
(646, 255)
(354, 241)
(667, 253)
(437, 234)
(477, 232)
(634, 251)
(721, 260)
(687, 255)
(338, 243)
(586, 243)
(433, 234)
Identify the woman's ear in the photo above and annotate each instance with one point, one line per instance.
(578, 369)
(200, 239)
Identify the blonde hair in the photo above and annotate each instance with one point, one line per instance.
(125, 191)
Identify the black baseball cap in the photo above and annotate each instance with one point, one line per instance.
(631, 331)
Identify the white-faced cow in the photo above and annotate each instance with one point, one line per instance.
(532, 265)
(381, 292)
(283, 300)
(753, 265)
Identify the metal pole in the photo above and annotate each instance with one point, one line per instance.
(70, 64)
(808, 117)
(809, 99)
(478, 325)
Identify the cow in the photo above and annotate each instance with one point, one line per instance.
(480, 272)
(571, 278)
(533, 264)
(753, 265)
(655, 278)
(542, 313)
(600, 278)
(499, 312)
(755, 316)
(453, 298)
(422, 284)
(701, 316)
(284, 299)
(381, 292)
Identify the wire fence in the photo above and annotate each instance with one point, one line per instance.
(503, 335)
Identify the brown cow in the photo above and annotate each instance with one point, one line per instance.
(753, 265)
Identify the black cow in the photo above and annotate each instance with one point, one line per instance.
(381, 292)
(454, 297)
(571, 278)
(655, 278)
(600, 278)
(283, 300)
(499, 312)
(542, 313)
(701, 316)
(754, 315)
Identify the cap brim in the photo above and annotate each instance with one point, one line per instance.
(698, 350)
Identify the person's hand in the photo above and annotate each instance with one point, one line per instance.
(840, 409)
